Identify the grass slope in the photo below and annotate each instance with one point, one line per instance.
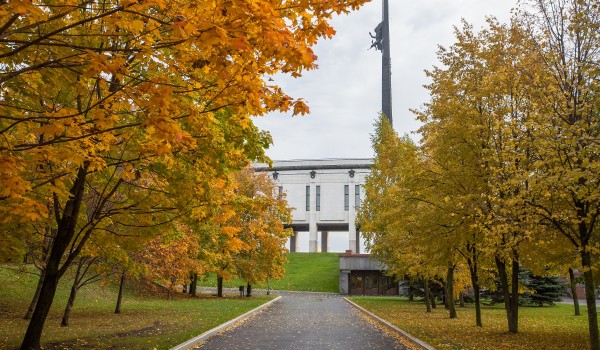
(539, 327)
(317, 272)
(145, 322)
(313, 272)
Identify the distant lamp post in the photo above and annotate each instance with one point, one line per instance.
(313, 174)
(275, 175)
(351, 173)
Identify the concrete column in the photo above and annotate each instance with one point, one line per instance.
(344, 282)
(312, 236)
(324, 237)
(312, 224)
(293, 242)
(353, 238)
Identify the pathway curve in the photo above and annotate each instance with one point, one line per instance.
(305, 321)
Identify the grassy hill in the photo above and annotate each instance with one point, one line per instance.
(313, 272)
(318, 272)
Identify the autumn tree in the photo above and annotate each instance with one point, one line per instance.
(261, 220)
(83, 80)
(245, 234)
(565, 181)
(390, 215)
(169, 258)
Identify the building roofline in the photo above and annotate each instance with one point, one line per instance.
(315, 164)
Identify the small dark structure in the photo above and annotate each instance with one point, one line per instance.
(361, 275)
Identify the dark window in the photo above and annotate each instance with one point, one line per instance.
(318, 198)
(346, 197)
(307, 198)
(357, 196)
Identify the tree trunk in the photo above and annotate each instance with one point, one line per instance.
(74, 288)
(219, 286)
(515, 296)
(511, 293)
(461, 299)
(445, 296)
(171, 288)
(194, 285)
(36, 296)
(432, 296)
(411, 291)
(450, 291)
(573, 285)
(590, 298)
(64, 234)
(476, 296)
(70, 303)
(120, 295)
(427, 296)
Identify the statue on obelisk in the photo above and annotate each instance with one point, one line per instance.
(381, 42)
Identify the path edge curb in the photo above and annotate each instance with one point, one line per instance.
(416, 341)
(202, 337)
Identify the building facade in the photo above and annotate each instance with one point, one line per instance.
(325, 195)
(362, 275)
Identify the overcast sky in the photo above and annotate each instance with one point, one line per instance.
(344, 93)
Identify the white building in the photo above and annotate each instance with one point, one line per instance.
(325, 195)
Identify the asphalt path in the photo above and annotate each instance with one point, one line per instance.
(305, 321)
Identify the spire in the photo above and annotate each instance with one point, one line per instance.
(386, 65)
(381, 42)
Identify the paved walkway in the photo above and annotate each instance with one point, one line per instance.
(305, 321)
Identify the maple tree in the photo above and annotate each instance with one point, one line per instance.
(245, 236)
(168, 259)
(81, 81)
(261, 222)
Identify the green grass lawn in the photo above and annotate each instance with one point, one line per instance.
(539, 327)
(315, 272)
(146, 322)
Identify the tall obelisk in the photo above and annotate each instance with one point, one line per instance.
(386, 65)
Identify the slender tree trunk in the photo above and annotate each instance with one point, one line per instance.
(219, 286)
(74, 288)
(171, 289)
(194, 285)
(461, 299)
(472, 261)
(590, 298)
(120, 295)
(36, 296)
(476, 295)
(411, 291)
(573, 285)
(510, 292)
(450, 291)
(64, 234)
(432, 296)
(427, 296)
(445, 296)
(47, 245)
(515, 296)
(70, 303)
